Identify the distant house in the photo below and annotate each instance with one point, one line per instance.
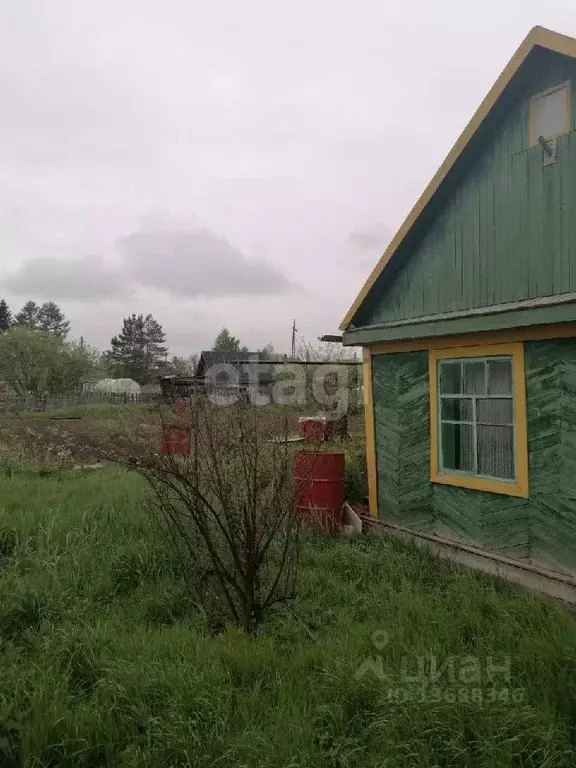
(224, 371)
(468, 324)
(236, 369)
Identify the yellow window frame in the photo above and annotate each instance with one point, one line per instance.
(533, 139)
(520, 486)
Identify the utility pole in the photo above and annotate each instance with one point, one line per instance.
(294, 331)
(82, 342)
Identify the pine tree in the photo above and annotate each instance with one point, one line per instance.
(156, 350)
(51, 318)
(5, 315)
(48, 317)
(226, 342)
(128, 350)
(28, 315)
(138, 352)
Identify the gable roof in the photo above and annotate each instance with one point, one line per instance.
(538, 36)
(244, 361)
(212, 357)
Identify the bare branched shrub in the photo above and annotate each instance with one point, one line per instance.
(335, 383)
(228, 505)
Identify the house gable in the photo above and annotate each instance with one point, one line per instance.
(497, 233)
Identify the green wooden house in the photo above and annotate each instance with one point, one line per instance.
(468, 324)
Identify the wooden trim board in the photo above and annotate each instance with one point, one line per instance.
(530, 333)
(369, 434)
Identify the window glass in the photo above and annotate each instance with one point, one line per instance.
(475, 378)
(451, 378)
(476, 415)
(550, 113)
(457, 409)
(458, 447)
(496, 451)
(499, 377)
(495, 411)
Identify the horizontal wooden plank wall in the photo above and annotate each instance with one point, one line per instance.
(507, 231)
(541, 528)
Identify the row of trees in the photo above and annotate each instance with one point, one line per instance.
(42, 317)
(34, 361)
(36, 356)
(139, 351)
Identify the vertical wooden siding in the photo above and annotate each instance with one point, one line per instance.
(507, 232)
(541, 528)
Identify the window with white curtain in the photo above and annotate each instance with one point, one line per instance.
(476, 417)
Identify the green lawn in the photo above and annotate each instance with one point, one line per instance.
(105, 662)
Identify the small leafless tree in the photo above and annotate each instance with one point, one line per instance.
(324, 352)
(228, 505)
(338, 373)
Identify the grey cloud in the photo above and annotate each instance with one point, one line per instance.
(364, 246)
(197, 262)
(369, 238)
(181, 262)
(89, 278)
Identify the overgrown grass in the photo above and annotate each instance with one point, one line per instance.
(89, 410)
(106, 661)
(355, 480)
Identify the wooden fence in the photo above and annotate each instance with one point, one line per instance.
(11, 403)
(54, 402)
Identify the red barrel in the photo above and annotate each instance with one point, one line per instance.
(319, 488)
(314, 428)
(175, 439)
(180, 405)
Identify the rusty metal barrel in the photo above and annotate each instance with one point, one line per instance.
(175, 439)
(319, 488)
(313, 428)
(319, 429)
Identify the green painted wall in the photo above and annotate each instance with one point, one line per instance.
(402, 438)
(543, 527)
(506, 231)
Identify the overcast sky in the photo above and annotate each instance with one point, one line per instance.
(228, 163)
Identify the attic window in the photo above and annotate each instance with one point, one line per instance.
(550, 113)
